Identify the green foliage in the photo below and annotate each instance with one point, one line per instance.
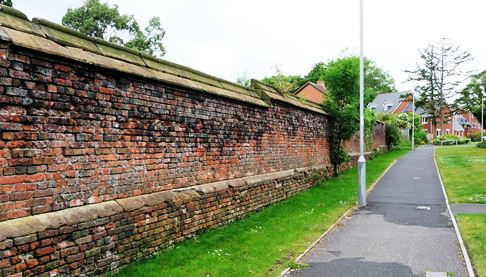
(471, 97)
(341, 77)
(284, 83)
(420, 136)
(403, 121)
(342, 104)
(450, 140)
(6, 2)
(370, 121)
(475, 136)
(482, 144)
(243, 80)
(393, 136)
(101, 20)
(377, 80)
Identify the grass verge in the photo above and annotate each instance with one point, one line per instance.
(265, 242)
(473, 231)
(463, 171)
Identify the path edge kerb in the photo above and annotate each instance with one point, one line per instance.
(328, 230)
(465, 255)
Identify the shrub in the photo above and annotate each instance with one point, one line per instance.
(392, 136)
(476, 136)
(420, 137)
(450, 140)
(482, 144)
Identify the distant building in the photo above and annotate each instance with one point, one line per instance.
(399, 102)
(312, 91)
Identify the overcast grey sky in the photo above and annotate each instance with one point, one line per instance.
(229, 38)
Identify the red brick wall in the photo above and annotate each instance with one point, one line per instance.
(74, 134)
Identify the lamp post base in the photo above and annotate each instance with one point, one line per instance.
(361, 182)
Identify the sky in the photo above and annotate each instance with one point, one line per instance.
(228, 39)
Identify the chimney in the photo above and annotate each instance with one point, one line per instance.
(321, 83)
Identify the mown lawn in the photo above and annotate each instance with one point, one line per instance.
(473, 230)
(463, 170)
(266, 242)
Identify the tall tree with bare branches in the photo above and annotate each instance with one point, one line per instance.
(438, 77)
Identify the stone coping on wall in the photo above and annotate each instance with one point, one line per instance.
(20, 227)
(54, 39)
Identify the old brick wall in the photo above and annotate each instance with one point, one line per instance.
(73, 135)
(107, 155)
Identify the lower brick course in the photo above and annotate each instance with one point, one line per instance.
(98, 238)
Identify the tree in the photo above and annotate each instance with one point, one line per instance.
(6, 2)
(101, 20)
(439, 77)
(471, 96)
(284, 83)
(342, 104)
(377, 80)
(243, 80)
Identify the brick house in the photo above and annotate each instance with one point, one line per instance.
(399, 102)
(314, 92)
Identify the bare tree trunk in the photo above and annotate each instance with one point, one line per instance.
(441, 122)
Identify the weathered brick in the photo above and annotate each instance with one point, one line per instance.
(44, 251)
(25, 239)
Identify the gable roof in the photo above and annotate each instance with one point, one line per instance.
(392, 99)
(316, 86)
(418, 110)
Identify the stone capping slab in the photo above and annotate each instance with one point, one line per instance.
(68, 37)
(262, 178)
(53, 220)
(47, 46)
(37, 223)
(62, 38)
(217, 186)
(274, 94)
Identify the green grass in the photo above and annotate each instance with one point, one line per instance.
(473, 230)
(265, 242)
(463, 170)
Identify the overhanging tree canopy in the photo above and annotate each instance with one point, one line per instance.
(101, 20)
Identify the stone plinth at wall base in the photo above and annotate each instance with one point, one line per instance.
(99, 238)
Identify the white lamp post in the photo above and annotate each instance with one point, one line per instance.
(413, 119)
(482, 118)
(362, 159)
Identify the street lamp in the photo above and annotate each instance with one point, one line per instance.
(361, 159)
(413, 119)
(482, 117)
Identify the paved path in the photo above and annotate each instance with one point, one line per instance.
(468, 208)
(404, 231)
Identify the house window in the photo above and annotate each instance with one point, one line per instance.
(424, 120)
(387, 106)
(438, 132)
(447, 131)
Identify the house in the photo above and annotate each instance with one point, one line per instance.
(312, 91)
(399, 102)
